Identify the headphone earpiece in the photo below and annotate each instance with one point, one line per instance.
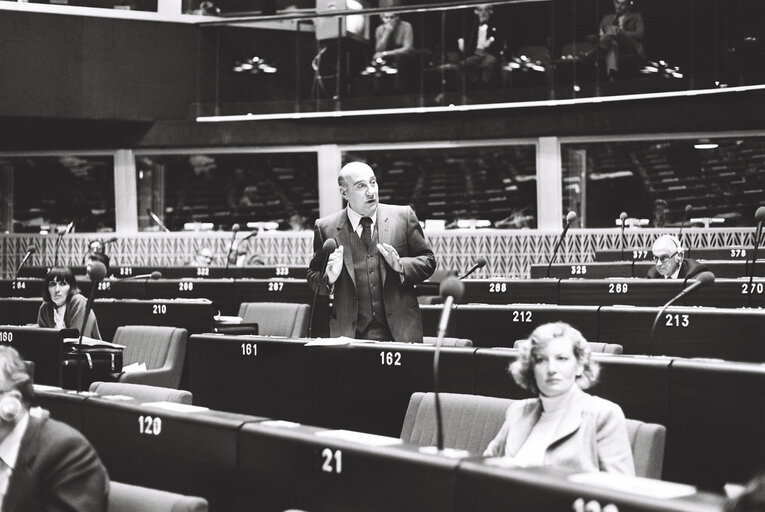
(10, 408)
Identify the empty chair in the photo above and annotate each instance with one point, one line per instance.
(277, 318)
(133, 498)
(472, 421)
(595, 346)
(142, 392)
(448, 342)
(163, 349)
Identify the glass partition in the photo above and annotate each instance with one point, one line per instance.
(482, 53)
(722, 179)
(490, 183)
(42, 192)
(215, 190)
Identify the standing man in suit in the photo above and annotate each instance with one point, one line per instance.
(46, 465)
(670, 262)
(381, 254)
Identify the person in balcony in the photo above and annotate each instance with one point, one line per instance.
(621, 34)
(482, 48)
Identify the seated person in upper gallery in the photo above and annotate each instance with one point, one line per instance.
(394, 49)
(621, 34)
(564, 426)
(670, 262)
(97, 252)
(483, 47)
(48, 465)
(63, 306)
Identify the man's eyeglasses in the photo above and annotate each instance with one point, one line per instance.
(665, 258)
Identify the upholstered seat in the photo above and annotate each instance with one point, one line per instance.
(133, 498)
(163, 349)
(472, 421)
(448, 342)
(277, 318)
(596, 346)
(142, 392)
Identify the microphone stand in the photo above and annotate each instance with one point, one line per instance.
(757, 235)
(323, 279)
(621, 248)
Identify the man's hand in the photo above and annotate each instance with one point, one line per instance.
(391, 256)
(335, 265)
(485, 43)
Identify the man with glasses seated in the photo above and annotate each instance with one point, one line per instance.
(670, 261)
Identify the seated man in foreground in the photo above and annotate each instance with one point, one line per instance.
(46, 465)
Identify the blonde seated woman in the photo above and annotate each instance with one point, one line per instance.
(564, 427)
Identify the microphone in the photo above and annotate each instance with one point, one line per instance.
(250, 235)
(759, 216)
(702, 279)
(154, 276)
(97, 273)
(234, 230)
(622, 217)
(110, 241)
(570, 217)
(479, 263)
(451, 291)
(60, 232)
(30, 251)
(330, 244)
(157, 220)
(687, 210)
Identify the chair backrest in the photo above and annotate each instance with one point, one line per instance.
(647, 441)
(472, 421)
(142, 392)
(576, 49)
(277, 318)
(448, 342)
(148, 344)
(595, 346)
(161, 348)
(536, 53)
(133, 498)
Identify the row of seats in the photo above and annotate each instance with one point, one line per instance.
(251, 461)
(366, 387)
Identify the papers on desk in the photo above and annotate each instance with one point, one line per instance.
(452, 453)
(91, 342)
(227, 319)
(117, 398)
(43, 387)
(175, 407)
(330, 342)
(360, 437)
(279, 424)
(134, 367)
(635, 485)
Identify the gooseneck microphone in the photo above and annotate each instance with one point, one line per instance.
(451, 291)
(97, 273)
(479, 263)
(622, 218)
(30, 251)
(702, 279)
(234, 231)
(759, 216)
(60, 232)
(157, 220)
(570, 217)
(330, 244)
(687, 210)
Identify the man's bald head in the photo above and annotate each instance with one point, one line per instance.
(668, 254)
(358, 185)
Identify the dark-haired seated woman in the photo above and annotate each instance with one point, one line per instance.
(564, 426)
(63, 307)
